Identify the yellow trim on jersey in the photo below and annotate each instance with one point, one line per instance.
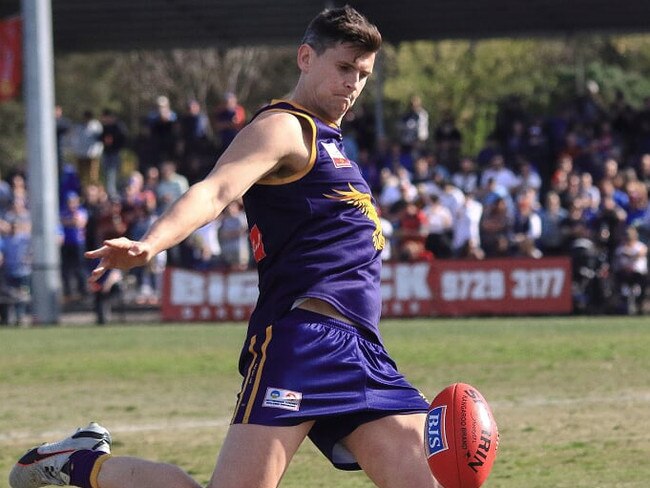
(312, 156)
(258, 375)
(247, 378)
(301, 107)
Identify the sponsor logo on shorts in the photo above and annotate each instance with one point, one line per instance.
(285, 399)
(435, 434)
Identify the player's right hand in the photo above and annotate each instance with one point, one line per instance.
(120, 253)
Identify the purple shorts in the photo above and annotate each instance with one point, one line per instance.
(307, 366)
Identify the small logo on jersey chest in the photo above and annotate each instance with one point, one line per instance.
(256, 243)
(337, 157)
(285, 399)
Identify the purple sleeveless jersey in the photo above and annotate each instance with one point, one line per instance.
(316, 234)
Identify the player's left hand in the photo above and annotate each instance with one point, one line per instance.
(120, 253)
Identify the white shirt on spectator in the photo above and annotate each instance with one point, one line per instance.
(467, 224)
(503, 177)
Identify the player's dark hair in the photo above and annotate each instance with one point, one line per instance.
(343, 24)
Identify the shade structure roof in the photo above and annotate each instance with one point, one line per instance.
(100, 25)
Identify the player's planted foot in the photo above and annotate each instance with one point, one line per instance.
(49, 464)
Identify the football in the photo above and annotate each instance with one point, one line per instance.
(461, 437)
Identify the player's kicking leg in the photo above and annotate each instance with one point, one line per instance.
(252, 455)
(52, 463)
(391, 452)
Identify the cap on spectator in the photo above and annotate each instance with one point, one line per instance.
(162, 101)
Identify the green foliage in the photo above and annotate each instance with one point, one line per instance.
(471, 78)
(12, 134)
(467, 78)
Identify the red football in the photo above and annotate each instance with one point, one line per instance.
(461, 437)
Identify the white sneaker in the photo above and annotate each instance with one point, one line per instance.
(48, 464)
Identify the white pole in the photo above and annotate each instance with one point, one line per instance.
(41, 156)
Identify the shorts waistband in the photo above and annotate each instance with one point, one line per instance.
(309, 316)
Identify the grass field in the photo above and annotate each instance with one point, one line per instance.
(571, 395)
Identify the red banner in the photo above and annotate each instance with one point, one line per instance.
(490, 287)
(10, 57)
(438, 288)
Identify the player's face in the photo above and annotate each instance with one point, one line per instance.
(336, 78)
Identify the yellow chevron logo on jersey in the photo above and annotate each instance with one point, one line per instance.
(363, 202)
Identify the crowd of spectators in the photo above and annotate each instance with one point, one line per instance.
(573, 183)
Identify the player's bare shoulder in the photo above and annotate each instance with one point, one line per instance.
(288, 137)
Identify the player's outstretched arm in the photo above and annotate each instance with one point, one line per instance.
(273, 142)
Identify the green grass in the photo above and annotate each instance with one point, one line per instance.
(571, 395)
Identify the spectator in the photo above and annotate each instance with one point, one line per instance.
(588, 190)
(495, 229)
(414, 126)
(422, 171)
(397, 158)
(114, 139)
(437, 227)
(466, 178)
(196, 143)
(63, 129)
(135, 196)
(410, 231)
(537, 149)
(502, 176)
(149, 277)
(151, 179)
(203, 246)
(552, 216)
(608, 189)
(145, 148)
(18, 186)
(448, 141)
(575, 226)
(164, 131)
(527, 228)
(5, 195)
(18, 212)
(94, 201)
(560, 177)
(451, 197)
(488, 151)
(638, 195)
(609, 225)
(170, 187)
(233, 240)
(112, 222)
(87, 147)
(466, 242)
(572, 191)
(74, 218)
(643, 170)
(228, 119)
(18, 259)
(369, 169)
(631, 268)
(528, 177)
(515, 143)
(106, 292)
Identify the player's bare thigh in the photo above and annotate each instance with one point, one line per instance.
(256, 455)
(391, 451)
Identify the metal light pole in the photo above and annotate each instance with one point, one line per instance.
(41, 154)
